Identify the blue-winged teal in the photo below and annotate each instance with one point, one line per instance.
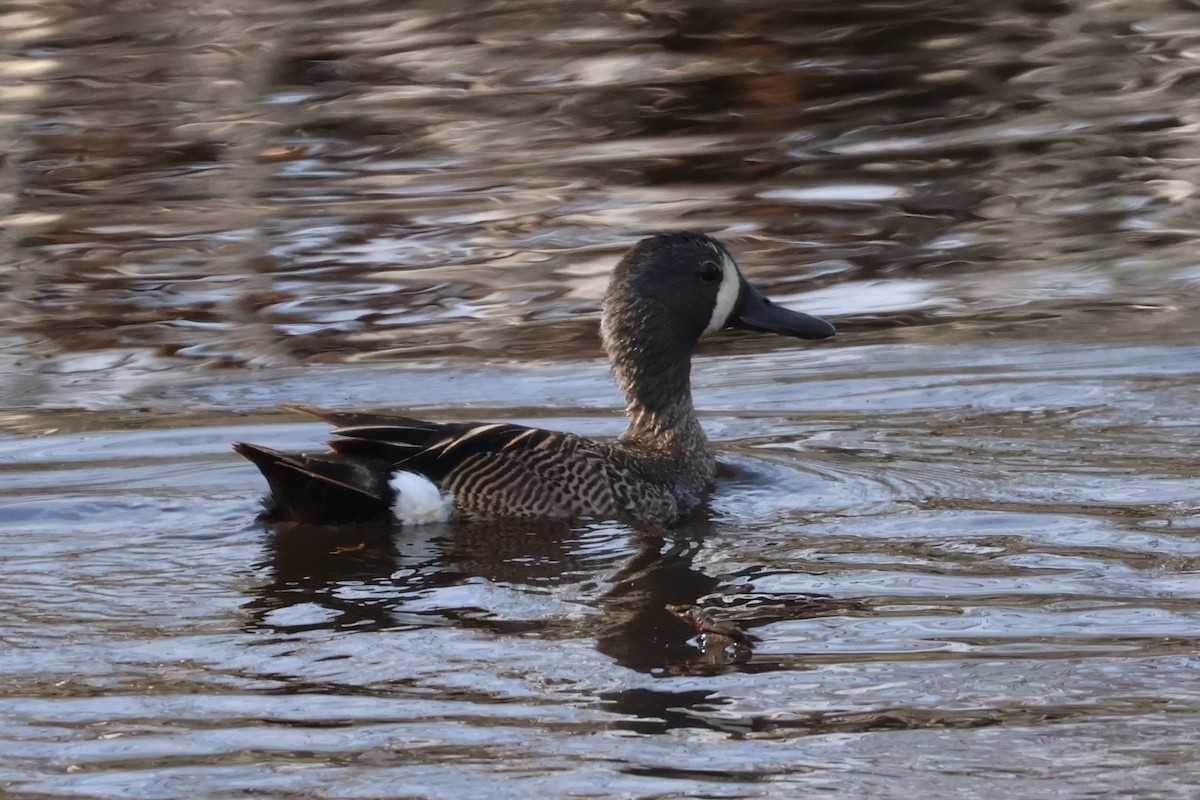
(665, 294)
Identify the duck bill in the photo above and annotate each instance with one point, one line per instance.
(754, 312)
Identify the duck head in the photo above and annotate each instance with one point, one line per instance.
(666, 294)
(681, 286)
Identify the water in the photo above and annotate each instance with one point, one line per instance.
(962, 535)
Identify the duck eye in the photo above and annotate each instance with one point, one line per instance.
(711, 272)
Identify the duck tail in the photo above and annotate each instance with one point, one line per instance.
(325, 489)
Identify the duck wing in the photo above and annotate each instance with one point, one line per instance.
(491, 469)
(432, 449)
(322, 489)
(496, 469)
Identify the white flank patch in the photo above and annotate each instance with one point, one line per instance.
(419, 500)
(727, 295)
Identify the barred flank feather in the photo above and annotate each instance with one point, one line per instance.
(504, 470)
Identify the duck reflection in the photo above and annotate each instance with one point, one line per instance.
(506, 577)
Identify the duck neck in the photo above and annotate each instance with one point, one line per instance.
(658, 394)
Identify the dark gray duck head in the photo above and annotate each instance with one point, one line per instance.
(668, 292)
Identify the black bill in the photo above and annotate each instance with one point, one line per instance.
(754, 312)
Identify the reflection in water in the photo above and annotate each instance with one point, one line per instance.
(309, 566)
(961, 538)
(367, 579)
(396, 579)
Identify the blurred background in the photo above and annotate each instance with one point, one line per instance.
(215, 184)
(962, 533)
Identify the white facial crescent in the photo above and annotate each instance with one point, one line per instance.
(727, 295)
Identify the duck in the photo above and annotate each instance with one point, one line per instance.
(667, 293)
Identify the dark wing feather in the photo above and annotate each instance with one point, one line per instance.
(322, 489)
(493, 468)
(351, 419)
(431, 449)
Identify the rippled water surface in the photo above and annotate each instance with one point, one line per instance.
(962, 539)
